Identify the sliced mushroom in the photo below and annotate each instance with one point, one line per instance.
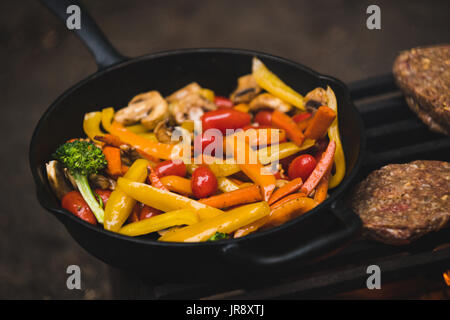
(266, 100)
(316, 98)
(128, 154)
(99, 181)
(148, 108)
(246, 90)
(56, 179)
(188, 103)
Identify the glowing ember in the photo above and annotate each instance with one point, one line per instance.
(446, 276)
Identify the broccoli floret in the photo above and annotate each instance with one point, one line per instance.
(219, 236)
(83, 158)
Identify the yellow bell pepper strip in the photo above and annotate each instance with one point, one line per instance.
(120, 205)
(153, 149)
(149, 135)
(227, 222)
(91, 124)
(107, 118)
(160, 222)
(137, 128)
(272, 84)
(333, 134)
(177, 184)
(268, 155)
(165, 200)
(226, 185)
(250, 165)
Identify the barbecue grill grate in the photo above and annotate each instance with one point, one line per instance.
(394, 135)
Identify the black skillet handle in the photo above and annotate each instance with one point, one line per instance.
(104, 53)
(324, 243)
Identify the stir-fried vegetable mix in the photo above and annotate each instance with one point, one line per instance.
(196, 166)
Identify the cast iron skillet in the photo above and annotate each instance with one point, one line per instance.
(320, 231)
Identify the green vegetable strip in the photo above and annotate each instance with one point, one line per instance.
(88, 196)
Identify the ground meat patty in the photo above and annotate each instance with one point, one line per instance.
(423, 74)
(401, 202)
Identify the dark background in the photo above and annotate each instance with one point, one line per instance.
(40, 59)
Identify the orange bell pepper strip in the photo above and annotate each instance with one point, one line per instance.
(320, 123)
(293, 132)
(250, 165)
(178, 184)
(112, 156)
(146, 146)
(233, 198)
(324, 164)
(288, 188)
(263, 136)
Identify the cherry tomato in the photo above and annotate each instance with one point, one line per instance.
(170, 168)
(301, 116)
(203, 182)
(223, 119)
(73, 202)
(222, 102)
(103, 194)
(264, 118)
(302, 166)
(148, 212)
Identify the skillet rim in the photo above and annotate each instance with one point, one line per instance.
(326, 205)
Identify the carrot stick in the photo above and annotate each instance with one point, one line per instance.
(283, 121)
(109, 140)
(236, 181)
(154, 179)
(324, 164)
(232, 198)
(320, 123)
(288, 188)
(322, 187)
(177, 184)
(287, 199)
(112, 156)
(289, 210)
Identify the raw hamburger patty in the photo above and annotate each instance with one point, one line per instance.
(401, 202)
(423, 74)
